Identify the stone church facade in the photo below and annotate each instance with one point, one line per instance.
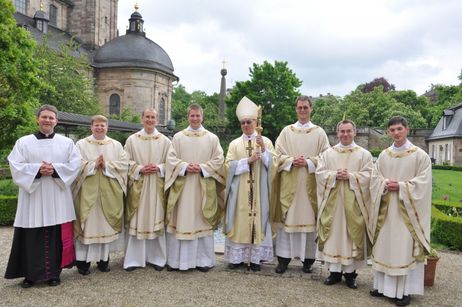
(129, 71)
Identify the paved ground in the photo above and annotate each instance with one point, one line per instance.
(219, 287)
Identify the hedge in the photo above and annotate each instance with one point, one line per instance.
(448, 167)
(7, 209)
(446, 229)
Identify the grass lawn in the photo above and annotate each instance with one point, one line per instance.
(447, 183)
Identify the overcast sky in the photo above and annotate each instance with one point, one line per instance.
(331, 45)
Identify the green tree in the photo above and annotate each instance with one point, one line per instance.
(66, 76)
(272, 86)
(19, 83)
(181, 99)
(327, 111)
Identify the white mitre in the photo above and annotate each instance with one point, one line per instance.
(246, 109)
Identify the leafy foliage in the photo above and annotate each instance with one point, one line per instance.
(66, 79)
(272, 86)
(370, 86)
(19, 82)
(181, 99)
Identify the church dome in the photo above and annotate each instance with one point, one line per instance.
(133, 50)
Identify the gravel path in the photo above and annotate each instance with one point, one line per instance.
(147, 287)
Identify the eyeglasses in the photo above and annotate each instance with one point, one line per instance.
(303, 108)
(246, 122)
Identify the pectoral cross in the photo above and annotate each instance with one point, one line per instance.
(249, 149)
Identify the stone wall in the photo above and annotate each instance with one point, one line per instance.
(137, 89)
(94, 21)
(63, 11)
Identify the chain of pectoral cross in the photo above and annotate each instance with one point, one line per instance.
(251, 181)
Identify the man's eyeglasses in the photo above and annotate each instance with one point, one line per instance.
(246, 122)
(303, 108)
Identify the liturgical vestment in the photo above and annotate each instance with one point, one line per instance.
(400, 221)
(247, 226)
(98, 199)
(343, 207)
(195, 200)
(145, 211)
(294, 202)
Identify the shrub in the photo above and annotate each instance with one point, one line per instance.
(7, 209)
(7, 187)
(448, 167)
(446, 229)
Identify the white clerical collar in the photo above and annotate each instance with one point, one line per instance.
(195, 130)
(353, 144)
(155, 132)
(305, 125)
(92, 137)
(249, 137)
(403, 147)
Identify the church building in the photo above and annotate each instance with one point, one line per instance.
(129, 71)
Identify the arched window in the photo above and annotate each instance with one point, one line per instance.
(162, 111)
(21, 6)
(114, 104)
(53, 15)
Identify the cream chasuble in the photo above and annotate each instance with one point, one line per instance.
(145, 200)
(246, 222)
(343, 205)
(98, 195)
(400, 221)
(294, 205)
(195, 200)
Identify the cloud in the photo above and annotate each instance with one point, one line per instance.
(332, 46)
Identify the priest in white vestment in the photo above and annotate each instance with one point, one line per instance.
(248, 162)
(147, 150)
(343, 176)
(194, 182)
(98, 198)
(401, 188)
(294, 203)
(43, 165)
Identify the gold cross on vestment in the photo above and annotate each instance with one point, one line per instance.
(249, 148)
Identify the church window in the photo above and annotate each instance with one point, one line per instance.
(21, 6)
(53, 15)
(114, 104)
(162, 111)
(105, 20)
(433, 151)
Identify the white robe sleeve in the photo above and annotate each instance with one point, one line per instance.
(22, 171)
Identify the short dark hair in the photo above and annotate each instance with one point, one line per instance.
(345, 121)
(304, 98)
(47, 107)
(148, 109)
(396, 120)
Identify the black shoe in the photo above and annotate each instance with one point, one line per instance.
(83, 267)
(131, 268)
(27, 283)
(234, 266)
(255, 267)
(156, 267)
(54, 282)
(203, 269)
(376, 293)
(334, 278)
(350, 280)
(283, 263)
(170, 269)
(281, 268)
(307, 263)
(406, 300)
(103, 266)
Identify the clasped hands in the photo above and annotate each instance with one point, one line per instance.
(342, 174)
(46, 169)
(391, 185)
(100, 162)
(193, 168)
(149, 168)
(299, 161)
